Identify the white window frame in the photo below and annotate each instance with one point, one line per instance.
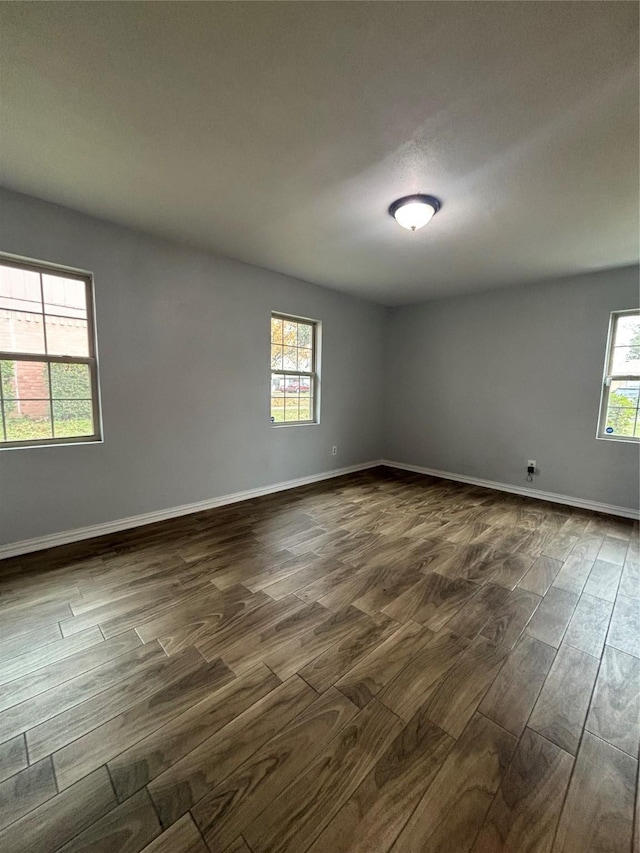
(91, 359)
(609, 377)
(313, 375)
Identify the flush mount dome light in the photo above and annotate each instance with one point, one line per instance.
(414, 211)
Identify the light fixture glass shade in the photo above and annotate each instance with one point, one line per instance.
(414, 211)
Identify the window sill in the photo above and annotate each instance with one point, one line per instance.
(295, 424)
(70, 442)
(626, 439)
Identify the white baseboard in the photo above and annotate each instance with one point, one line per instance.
(27, 546)
(15, 549)
(595, 506)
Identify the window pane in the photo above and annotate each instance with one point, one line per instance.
(20, 290)
(306, 408)
(65, 297)
(32, 422)
(21, 331)
(624, 393)
(27, 408)
(626, 360)
(628, 332)
(276, 330)
(24, 380)
(276, 357)
(304, 359)
(294, 384)
(8, 379)
(291, 407)
(72, 417)
(70, 381)
(305, 334)
(292, 394)
(290, 360)
(289, 333)
(620, 421)
(66, 336)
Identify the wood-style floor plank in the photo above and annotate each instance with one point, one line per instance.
(298, 621)
(367, 678)
(385, 661)
(328, 667)
(524, 814)
(246, 626)
(313, 570)
(630, 578)
(291, 823)
(208, 604)
(560, 546)
(239, 846)
(290, 657)
(573, 575)
(131, 826)
(458, 693)
(598, 813)
(25, 791)
(613, 550)
(562, 705)
(603, 580)
(510, 699)
(53, 675)
(614, 714)
(160, 750)
(188, 780)
(552, 616)
(455, 805)
(511, 618)
(26, 643)
(138, 687)
(374, 815)
(27, 619)
(181, 837)
(246, 793)
(432, 601)
(135, 608)
(13, 756)
(588, 626)
(624, 630)
(541, 575)
(44, 706)
(180, 690)
(48, 654)
(408, 690)
(510, 569)
(587, 546)
(60, 819)
(474, 615)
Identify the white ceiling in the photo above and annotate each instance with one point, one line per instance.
(278, 133)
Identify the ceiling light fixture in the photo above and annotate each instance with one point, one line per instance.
(414, 211)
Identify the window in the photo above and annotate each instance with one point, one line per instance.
(48, 387)
(294, 377)
(619, 418)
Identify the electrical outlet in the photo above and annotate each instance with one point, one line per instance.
(334, 450)
(531, 463)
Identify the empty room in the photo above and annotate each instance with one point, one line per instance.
(319, 427)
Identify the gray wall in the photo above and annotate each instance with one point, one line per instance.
(476, 385)
(183, 342)
(471, 385)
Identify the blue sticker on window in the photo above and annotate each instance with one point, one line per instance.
(609, 430)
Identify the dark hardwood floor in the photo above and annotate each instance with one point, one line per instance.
(381, 662)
